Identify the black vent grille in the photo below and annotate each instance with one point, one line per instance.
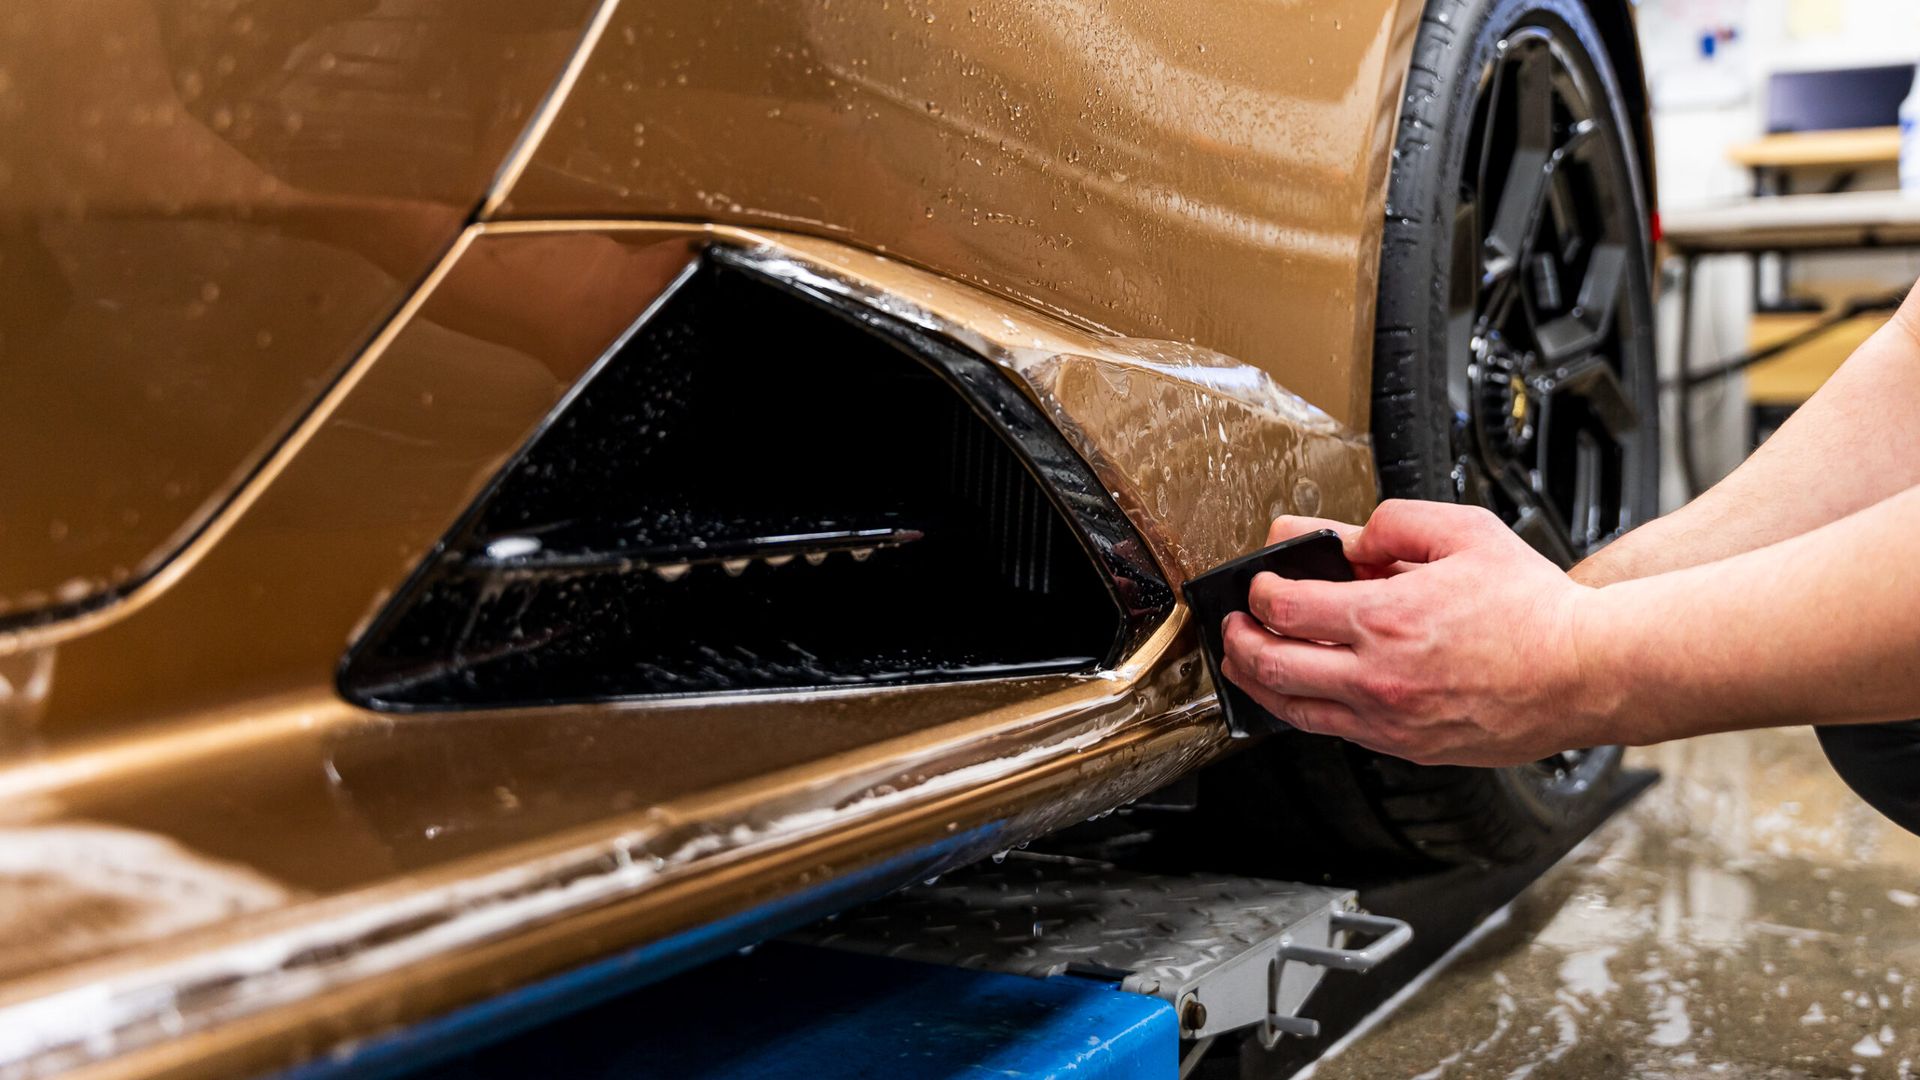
(767, 488)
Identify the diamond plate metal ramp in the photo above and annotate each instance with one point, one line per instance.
(1228, 952)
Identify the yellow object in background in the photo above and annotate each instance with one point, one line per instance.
(1793, 376)
(1811, 149)
(1813, 18)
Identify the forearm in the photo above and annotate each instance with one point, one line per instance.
(1849, 446)
(1823, 627)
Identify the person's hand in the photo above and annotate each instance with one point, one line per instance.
(1458, 645)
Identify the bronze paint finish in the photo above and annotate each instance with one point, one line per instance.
(206, 210)
(1207, 173)
(244, 321)
(499, 846)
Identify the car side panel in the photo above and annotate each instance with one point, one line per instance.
(1210, 173)
(206, 210)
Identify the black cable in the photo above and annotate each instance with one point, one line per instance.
(1683, 414)
(1687, 381)
(1853, 309)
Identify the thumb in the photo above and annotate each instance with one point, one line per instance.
(1408, 530)
(1288, 526)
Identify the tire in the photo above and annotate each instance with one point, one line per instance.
(1342, 813)
(1459, 350)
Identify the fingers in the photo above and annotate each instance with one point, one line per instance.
(1312, 715)
(1288, 666)
(1288, 526)
(1409, 530)
(1310, 610)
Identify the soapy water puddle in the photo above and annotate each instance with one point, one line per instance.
(1747, 917)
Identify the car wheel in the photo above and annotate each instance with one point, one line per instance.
(1513, 352)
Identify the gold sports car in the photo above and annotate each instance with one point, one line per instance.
(486, 485)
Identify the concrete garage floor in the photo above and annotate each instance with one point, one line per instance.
(1747, 917)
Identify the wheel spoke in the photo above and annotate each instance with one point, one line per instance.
(1539, 524)
(1583, 329)
(1561, 201)
(1592, 380)
(1499, 291)
(1529, 170)
(1565, 219)
(1489, 124)
(1588, 474)
(1534, 90)
(1475, 486)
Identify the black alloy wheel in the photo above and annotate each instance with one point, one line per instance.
(1550, 413)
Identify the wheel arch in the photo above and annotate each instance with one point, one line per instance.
(1618, 32)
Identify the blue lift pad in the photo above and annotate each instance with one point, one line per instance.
(794, 1011)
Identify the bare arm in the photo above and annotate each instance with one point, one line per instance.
(1464, 645)
(1788, 594)
(1816, 629)
(1852, 444)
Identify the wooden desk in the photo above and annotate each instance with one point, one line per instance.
(1813, 149)
(1777, 162)
(1853, 219)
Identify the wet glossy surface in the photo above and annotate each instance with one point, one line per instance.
(399, 865)
(211, 208)
(1204, 173)
(1200, 449)
(206, 209)
(1748, 917)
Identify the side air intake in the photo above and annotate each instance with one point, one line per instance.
(768, 487)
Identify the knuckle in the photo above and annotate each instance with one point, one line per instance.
(1385, 619)
(1389, 511)
(1486, 518)
(1391, 693)
(1280, 610)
